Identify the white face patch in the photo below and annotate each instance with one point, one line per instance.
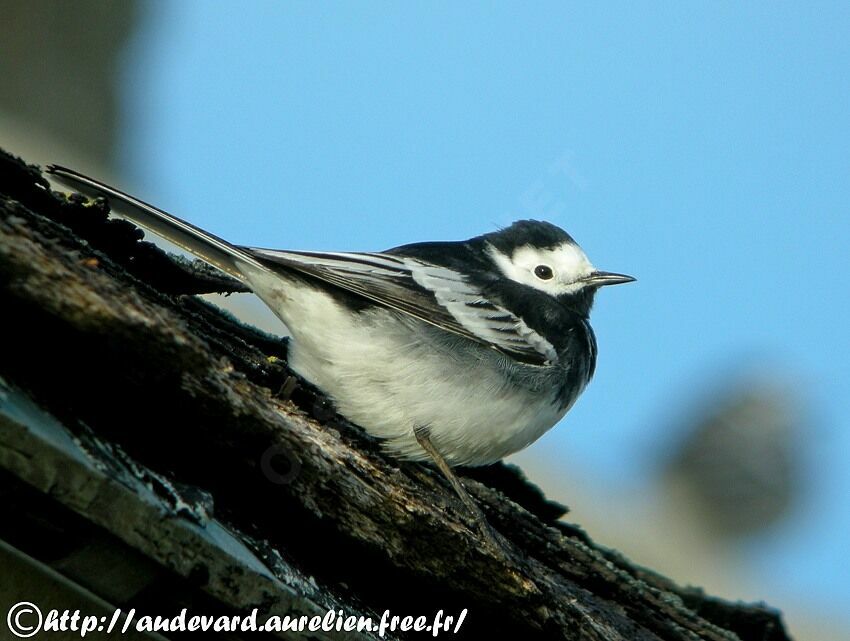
(528, 265)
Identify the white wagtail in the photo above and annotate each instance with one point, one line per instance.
(461, 352)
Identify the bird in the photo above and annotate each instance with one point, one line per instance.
(450, 352)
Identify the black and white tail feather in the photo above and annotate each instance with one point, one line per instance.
(431, 293)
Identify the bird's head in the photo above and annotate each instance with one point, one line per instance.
(544, 257)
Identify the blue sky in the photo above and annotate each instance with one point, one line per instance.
(702, 147)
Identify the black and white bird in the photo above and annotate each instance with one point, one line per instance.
(458, 352)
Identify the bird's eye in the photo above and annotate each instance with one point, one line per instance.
(543, 272)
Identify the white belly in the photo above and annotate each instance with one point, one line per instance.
(382, 376)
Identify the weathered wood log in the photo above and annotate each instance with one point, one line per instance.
(170, 407)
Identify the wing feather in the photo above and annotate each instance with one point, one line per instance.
(432, 293)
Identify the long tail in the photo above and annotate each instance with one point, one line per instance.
(196, 241)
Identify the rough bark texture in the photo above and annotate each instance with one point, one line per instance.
(138, 411)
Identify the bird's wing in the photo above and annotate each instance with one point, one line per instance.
(432, 293)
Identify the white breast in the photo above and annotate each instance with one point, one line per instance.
(383, 378)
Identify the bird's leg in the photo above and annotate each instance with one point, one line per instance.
(423, 436)
(289, 385)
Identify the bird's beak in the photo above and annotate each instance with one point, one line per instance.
(600, 279)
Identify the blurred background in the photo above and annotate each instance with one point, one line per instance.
(702, 147)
